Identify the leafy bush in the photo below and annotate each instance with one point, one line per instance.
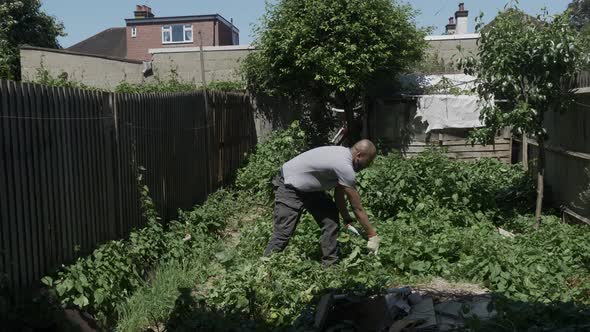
(44, 77)
(226, 86)
(430, 180)
(101, 282)
(175, 84)
(264, 164)
(440, 223)
(172, 85)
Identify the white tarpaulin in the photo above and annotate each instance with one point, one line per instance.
(450, 111)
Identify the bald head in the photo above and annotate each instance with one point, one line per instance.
(365, 146)
(363, 153)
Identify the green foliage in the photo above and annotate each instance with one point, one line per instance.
(172, 85)
(436, 217)
(23, 22)
(334, 45)
(531, 63)
(101, 282)
(392, 185)
(44, 77)
(264, 164)
(432, 64)
(332, 51)
(579, 14)
(446, 86)
(230, 86)
(585, 195)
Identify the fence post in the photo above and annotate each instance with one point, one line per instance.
(116, 181)
(207, 115)
(525, 152)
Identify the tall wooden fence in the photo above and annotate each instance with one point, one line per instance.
(567, 154)
(69, 162)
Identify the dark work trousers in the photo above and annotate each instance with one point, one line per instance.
(289, 203)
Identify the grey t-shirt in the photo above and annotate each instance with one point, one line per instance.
(320, 169)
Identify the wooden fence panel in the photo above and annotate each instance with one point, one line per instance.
(567, 154)
(70, 159)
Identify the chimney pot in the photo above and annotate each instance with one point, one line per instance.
(143, 11)
(451, 20)
(461, 6)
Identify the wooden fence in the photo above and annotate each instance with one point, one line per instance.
(392, 124)
(567, 157)
(70, 159)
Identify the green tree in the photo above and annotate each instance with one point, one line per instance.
(23, 22)
(332, 50)
(579, 11)
(530, 62)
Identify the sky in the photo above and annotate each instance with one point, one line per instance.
(84, 18)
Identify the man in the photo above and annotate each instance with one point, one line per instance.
(302, 183)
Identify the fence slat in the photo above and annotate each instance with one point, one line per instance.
(37, 181)
(6, 184)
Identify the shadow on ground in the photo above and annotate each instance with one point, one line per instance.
(452, 310)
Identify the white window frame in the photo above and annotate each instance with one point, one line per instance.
(185, 28)
(133, 32)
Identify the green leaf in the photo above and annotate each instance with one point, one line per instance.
(419, 266)
(420, 207)
(48, 281)
(541, 269)
(81, 301)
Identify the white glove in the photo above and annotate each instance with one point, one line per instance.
(353, 230)
(373, 244)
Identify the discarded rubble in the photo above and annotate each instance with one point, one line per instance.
(401, 309)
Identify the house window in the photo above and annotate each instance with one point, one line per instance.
(133, 32)
(177, 33)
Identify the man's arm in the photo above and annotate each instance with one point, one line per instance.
(361, 215)
(341, 204)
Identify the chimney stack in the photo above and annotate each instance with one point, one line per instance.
(462, 19)
(451, 27)
(143, 11)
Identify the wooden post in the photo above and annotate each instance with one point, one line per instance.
(525, 152)
(207, 116)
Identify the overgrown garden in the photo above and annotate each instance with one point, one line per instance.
(437, 217)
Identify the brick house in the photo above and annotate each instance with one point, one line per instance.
(146, 31)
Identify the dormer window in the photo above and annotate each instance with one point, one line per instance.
(177, 33)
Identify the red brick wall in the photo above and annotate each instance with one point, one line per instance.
(225, 34)
(150, 36)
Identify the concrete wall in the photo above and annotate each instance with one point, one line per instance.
(97, 71)
(221, 63)
(445, 46)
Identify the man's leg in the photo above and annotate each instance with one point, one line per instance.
(324, 211)
(285, 222)
(287, 211)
